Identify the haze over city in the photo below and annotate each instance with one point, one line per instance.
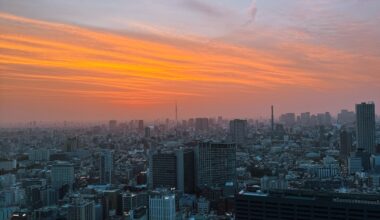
(189, 109)
(96, 60)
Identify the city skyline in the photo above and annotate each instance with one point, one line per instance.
(189, 109)
(278, 118)
(92, 60)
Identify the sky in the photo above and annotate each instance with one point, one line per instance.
(85, 60)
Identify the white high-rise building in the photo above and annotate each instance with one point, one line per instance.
(162, 206)
(62, 173)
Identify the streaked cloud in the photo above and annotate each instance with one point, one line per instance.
(146, 66)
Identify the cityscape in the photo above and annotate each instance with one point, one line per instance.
(306, 166)
(189, 110)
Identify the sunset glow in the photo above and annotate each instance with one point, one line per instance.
(53, 68)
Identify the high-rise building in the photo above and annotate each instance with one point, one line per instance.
(106, 167)
(62, 173)
(238, 131)
(185, 170)
(141, 125)
(288, 119)
(323, 119)
(201, 124)
(164, 169)
(81, 209)
(366, 127)
(148, 132)
(345, 143)
(345, 117)
(272, 120)
(173, 170)
(305, 119)
(162, 206)
(215, 164)
(306, 205)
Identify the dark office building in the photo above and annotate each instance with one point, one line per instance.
(185, 170)
(366, 126)
(306, 205)
(215, 164)
(345, 143)
(164, 170)
(174, 169)
(238, 131)
(140, 125)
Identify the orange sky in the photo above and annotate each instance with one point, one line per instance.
(56, 71)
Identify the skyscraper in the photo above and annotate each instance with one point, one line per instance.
(164, 169)
(201, 124)
(215, 164)
(366, 127)
(162, 206)
(173, 169)
(305, 119)
(345, 143)
(288, 119)
(346, 116)
(140, 125)
(272, 119)
(148, 132)
(106, 167)
(62, 173)
(238, 131)
(185, 170)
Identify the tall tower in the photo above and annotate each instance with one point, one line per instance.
(176, 114)
(176, 119)
(106, 166)
(366, 127)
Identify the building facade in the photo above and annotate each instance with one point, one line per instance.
(162, 206)
(366, 127)
(62, 173)
(106, 167)
(238, 131)
(306, 205)
(215, 164)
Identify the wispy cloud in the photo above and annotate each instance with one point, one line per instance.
(204, 8)
(252, 11)
(45, 60)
